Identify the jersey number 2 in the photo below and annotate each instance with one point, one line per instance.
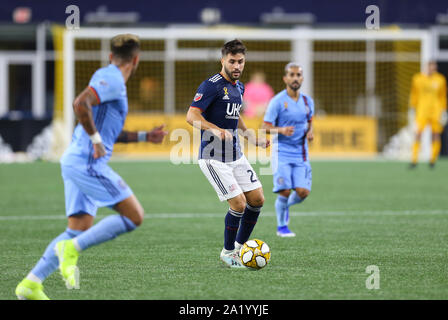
(252, 176)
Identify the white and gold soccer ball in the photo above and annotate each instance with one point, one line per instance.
(255, 254)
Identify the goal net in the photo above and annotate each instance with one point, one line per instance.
(359, 79)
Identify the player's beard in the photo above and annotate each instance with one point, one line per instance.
(295, 86)
(229, 74)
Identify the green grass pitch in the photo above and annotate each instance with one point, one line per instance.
(358, 214)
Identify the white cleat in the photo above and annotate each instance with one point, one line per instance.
(231, 259)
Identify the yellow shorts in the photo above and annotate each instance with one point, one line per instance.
(436, 127)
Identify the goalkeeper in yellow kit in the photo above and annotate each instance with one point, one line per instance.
(428, 105)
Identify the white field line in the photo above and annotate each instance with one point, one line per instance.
(264, 213)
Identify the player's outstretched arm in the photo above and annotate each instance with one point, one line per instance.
(270, 128)
(195, 118)
(250, 136)
(82, 106)
(156, 135)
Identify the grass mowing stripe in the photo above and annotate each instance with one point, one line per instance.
(269, 214)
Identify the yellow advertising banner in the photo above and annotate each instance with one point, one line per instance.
(344, 134)
(333, 135)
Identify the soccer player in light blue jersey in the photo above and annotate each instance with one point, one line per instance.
(290, 114)
(89, 182)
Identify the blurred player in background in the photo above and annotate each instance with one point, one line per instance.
(89, 182)
(257, 94)
(290, 114)
(216, 111)
(428, 106)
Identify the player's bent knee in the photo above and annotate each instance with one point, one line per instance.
(255, 198)
(80, 221)
(257, 202)
(137, 220)
(132, 209)
(285, 193)
(302, 193)
(239, 207)
(238, 203)
(138, 217)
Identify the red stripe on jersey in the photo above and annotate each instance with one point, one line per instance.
(267, 122)
(96, 94)
(303, 147)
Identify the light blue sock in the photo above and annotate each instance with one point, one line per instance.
(48, 263)
(280, 209)
(293, 199)
(107, 229)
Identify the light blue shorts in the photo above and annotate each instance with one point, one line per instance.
(292, 175)
(87, 189)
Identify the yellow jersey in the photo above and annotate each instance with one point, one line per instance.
(428, 95)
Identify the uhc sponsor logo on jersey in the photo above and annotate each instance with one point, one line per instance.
(233, 111)
(198, 97)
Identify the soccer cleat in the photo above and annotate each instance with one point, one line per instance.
(284, 232)
(412, 166)
(238, 247)
(68, 256)
(30, 290)
(231, 259)
(432, 165)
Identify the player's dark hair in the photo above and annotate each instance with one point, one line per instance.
(233, 47)
(125, 46)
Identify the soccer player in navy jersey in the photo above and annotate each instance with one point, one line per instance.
(216, 111)
(290, 114)
(89, 182)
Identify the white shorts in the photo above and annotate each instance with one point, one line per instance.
(230, 178)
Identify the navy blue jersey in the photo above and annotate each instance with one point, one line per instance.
(220, 102)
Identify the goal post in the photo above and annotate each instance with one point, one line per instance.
(348, 72)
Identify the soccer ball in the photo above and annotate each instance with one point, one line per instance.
(255, 254)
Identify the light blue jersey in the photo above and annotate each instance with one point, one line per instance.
(290, 163)
(283, 111)
(109, 116)
(90, 183)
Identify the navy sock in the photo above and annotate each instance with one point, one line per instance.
(232, 222)
(248, 222)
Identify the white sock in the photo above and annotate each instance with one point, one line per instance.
(34, 278)
(225, 251)
(238, 246)
(76, 244)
